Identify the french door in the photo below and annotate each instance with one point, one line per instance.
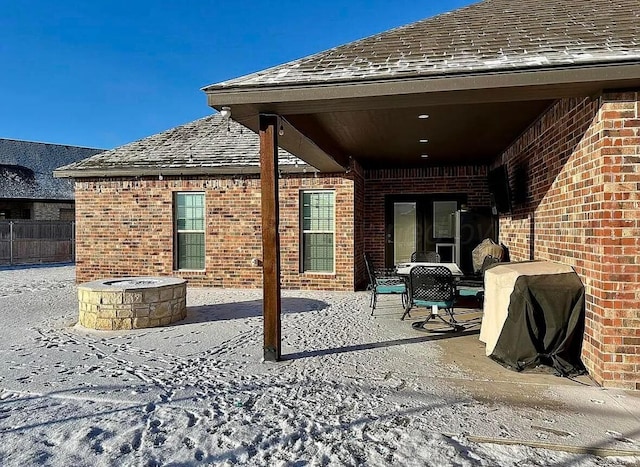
(404, 233)
(420, 223)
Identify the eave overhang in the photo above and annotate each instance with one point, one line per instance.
(173, 171)
(554, 82)
(485, 87)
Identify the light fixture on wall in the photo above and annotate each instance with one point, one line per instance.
(225, 112)
(281, 126)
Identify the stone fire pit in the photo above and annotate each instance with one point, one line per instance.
(132, 302)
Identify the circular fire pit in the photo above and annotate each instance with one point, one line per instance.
(132, 302)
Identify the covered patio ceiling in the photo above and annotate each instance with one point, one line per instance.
(470, 119)
(454, 134)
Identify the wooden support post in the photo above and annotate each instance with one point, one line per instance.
(271, 297)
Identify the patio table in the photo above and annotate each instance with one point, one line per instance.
(403, 269)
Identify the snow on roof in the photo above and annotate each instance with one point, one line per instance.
(26, 169)
(208, 143)
(487, 36)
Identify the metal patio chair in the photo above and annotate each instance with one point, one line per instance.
(425, 257)
(432, 287)
(473, 286)
(383, 282)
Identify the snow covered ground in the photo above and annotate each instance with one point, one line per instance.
(354, 390)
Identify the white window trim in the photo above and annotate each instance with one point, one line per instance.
(303, 231)
(177, 231)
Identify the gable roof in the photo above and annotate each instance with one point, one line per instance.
(26, 169)
(210, 145)
(490, 36)
(482, 74)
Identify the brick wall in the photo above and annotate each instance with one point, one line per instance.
(50, 211)
(468, 180)
(575, 175)
(125, 227)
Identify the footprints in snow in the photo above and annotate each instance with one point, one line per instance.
(192, 419)
(35, 286)
(96, 437)
(160, 426)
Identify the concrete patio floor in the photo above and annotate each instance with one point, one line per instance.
(349, 385)
(578, 403)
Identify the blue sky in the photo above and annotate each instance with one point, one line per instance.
(104, 73)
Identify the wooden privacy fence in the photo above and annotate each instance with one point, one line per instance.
(29, 242)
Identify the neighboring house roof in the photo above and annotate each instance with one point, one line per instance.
(493, 35)
(210, 145)
(26, 169)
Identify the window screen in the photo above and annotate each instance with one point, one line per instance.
(189, 230)
(318, 236)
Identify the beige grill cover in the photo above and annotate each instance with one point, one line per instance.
(485, 248)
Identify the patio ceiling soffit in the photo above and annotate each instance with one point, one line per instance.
(293, 140)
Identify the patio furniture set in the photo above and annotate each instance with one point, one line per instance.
(533, 313)
(426, 283)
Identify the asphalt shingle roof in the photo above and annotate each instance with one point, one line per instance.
(208, 143)
(26, 169)
(488, 36)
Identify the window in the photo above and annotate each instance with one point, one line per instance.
(67, 214)
(317, 214)
(444, 219)
(189, 230)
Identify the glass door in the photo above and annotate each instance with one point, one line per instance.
(404, 231)
(420, 223)
(444, 229)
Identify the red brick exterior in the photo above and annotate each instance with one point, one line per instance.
(125, 227)
(575, 175)
(134, 236)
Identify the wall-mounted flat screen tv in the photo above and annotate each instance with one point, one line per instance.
(499, 189)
